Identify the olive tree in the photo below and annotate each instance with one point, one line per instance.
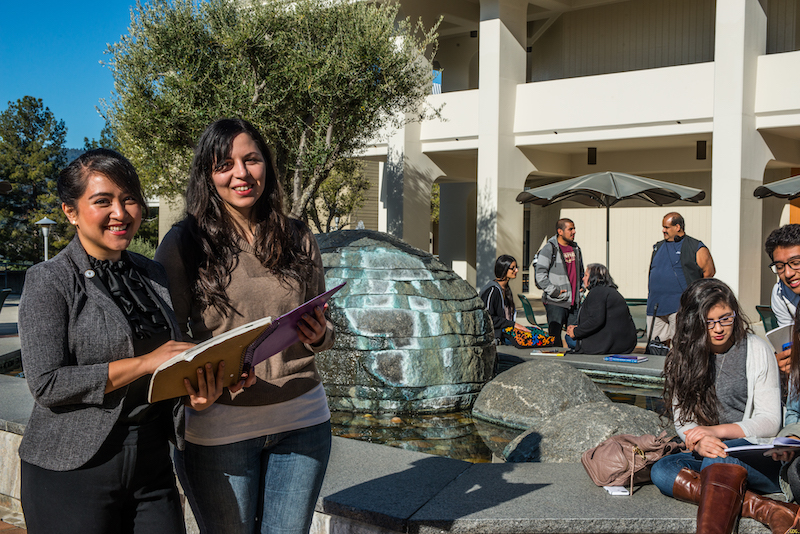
(320, 78)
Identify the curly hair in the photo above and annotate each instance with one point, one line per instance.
(689, 371)
(786, 236)
(212, 232)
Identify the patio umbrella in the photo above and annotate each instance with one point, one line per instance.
(608, 188)
(786, 188)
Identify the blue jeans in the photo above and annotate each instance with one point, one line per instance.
(762, 474)
(268, 484)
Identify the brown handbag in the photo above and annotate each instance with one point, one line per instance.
(626, 459)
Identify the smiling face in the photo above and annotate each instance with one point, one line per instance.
(105, 216)
(720, 337)
(240, 178)
(789, 276)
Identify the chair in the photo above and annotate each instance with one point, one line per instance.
(767, 317)
(638, 315)
(529, 315)
(3, 294)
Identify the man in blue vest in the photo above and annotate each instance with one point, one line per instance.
(783, 248)
(677, 261)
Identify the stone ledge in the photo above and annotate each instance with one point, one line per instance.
(16, 404)
(375, 489)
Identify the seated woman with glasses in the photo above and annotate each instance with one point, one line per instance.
(723, 385)
(605, 325)
(499, 302)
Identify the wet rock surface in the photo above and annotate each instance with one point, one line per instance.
(411, 335)
(565, 436)
(452, 434)
(531, 392)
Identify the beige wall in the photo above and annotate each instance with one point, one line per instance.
(625, 36)
(368, 213)
(455, 56)
(783, 23)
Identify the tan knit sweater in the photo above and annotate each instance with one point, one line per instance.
(254, 293)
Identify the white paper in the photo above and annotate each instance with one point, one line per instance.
(616, 490)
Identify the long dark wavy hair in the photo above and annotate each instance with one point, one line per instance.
(689, 369)
(212, 233)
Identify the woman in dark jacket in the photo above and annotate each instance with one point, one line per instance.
(605, 325)
(497, 296)
(94, 323)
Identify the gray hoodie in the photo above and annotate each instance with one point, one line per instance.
(554, 278)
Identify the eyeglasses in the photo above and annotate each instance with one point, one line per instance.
(514, 268)
(778, 267)
(723, 321)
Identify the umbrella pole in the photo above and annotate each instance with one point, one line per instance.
(608, 232)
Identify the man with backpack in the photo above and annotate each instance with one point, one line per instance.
(558, 272)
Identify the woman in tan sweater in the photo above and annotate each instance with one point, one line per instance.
(254, 462)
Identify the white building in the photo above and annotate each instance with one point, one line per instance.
(529, 86)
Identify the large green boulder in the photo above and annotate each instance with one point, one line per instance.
(411, 335)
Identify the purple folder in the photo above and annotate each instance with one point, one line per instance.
(282, 333)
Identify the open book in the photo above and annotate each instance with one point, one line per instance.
(241, 348)
(765, 449)
(780, 336)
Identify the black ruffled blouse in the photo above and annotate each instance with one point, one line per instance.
(150, 329)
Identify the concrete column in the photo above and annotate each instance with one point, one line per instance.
(739, 154)
(406, 187)
(170, 211)
(382, 204)
(502, 168)
(456, 217)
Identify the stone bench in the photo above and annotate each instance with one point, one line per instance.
(378, 489)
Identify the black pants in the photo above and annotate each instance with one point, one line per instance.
(557, 318)
(128, 487)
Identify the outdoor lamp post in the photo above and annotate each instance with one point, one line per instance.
(45, 224)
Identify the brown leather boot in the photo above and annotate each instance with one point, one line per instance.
(721, 495)
(687, 486)
(780, 517)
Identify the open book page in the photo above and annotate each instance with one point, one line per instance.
(167, 381)
(780, 336)
(764, 449)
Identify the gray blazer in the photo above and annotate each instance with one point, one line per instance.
(70, 329)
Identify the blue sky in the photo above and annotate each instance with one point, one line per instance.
(51, 50)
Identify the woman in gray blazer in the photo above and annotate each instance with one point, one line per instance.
(95, 322)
